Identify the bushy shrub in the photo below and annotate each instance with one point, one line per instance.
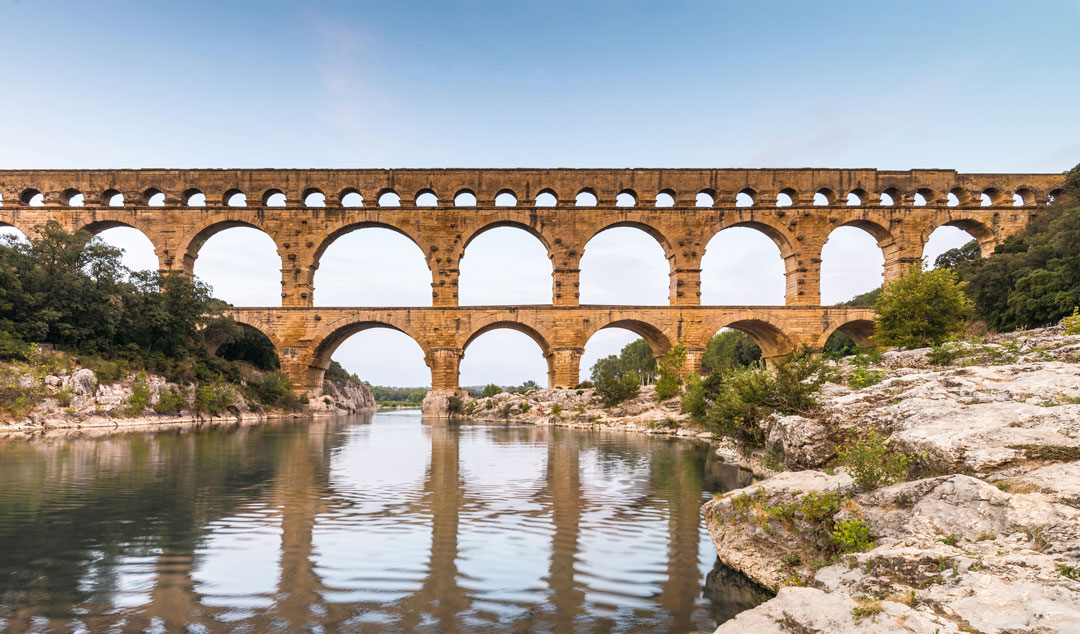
(614, 384)
(170, 402)
(140, 396)
(743, 399)
(873, 462)
(671, 369)
(921, 308)
(1072, 322)
(851, 536)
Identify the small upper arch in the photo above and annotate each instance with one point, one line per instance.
(314, 197)
(350, 197)
(465, 198)
(546, 198)
(506, 198)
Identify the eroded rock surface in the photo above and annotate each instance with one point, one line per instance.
(993, 546)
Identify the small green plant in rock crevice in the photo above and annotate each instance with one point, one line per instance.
(873, 462)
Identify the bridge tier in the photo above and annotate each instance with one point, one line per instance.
(306, 338)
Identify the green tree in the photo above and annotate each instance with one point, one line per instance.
(637, 356)
(672, 365)
(727, 350)
(613, 382)
(921, 308)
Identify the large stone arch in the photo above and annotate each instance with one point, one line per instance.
(192, 242)
(774, 230)
(344, 227)
(634, 221)
(861, 331)
(533, 330)
(658, 338)
(104, 221)
(975, 227)
(322, 347)
(768, 333)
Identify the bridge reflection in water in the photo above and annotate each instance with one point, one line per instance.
(366, 524)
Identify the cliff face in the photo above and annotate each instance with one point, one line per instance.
(350, 396)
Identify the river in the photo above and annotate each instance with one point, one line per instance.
(364, 523)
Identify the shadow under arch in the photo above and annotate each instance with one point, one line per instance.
(977, 229)
(346, 228)
(766, 333)
(861, 331)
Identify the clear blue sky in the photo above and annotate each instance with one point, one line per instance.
(970, 85)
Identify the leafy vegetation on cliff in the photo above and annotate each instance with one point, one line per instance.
(70, 292)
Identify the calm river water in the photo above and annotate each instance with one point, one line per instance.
(366, 523)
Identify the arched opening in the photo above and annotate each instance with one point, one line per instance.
(824, 197)
(194, 198)
(389, 199)
(742, 266)
(372, 266)
(13, 232)
(505, 198)
(846, 339)
(705, 199)
(351, 198)
(890, 198)
(32, 197)
(72, 198)
(465, 198)
(636, 344)
(665, 198)
(624, 265)
(154, 198)
(235, 198)
(585, 198)
(274, 198)
(943, 239)
(504, 354)
(626, 198)
(139, 252)
(852, 263)
(314, 198)
(113, 198)
(729, 349)
(251, 346)
(384, 357)
(783, 199)
(504, 265)
(241, 264)
(745, 198)
(427, 198)
(546, 198)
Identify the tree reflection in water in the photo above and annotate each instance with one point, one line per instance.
(364, 523)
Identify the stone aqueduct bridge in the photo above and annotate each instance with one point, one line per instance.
(178, 210)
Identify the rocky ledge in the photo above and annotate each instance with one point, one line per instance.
(988, 542)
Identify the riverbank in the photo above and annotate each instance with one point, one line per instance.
(77, 399)
(986, 540)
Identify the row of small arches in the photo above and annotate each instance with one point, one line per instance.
(548, 198)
